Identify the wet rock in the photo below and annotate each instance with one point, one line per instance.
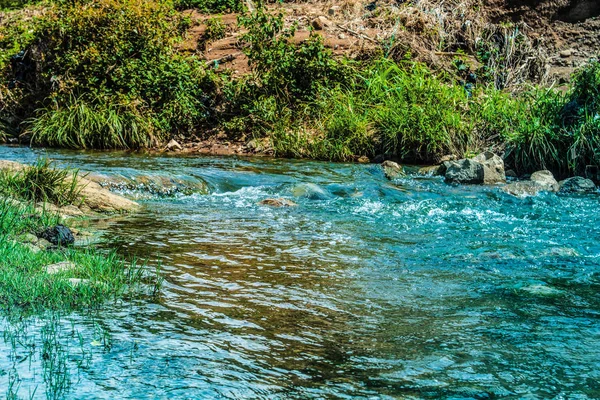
(280, 202)
(58, 235)
(546, 180)
(493, 168)
(511, 174)
(429, 171)
(363, 160)
(448, 157)
(392, 170)
(320, 23)
(310, 191)
(464, 171)
(59, 267)
(523, 189)
(96, 198)
(173, 146)
(577, 184)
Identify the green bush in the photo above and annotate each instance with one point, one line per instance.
(211, 6)
(118, 59)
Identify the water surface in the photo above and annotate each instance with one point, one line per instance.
(366, 289)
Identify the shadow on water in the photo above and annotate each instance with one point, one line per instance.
(366, 289)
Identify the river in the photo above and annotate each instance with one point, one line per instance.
(367, 289)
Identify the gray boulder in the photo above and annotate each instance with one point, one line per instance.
(392, 170)
(493, 168)
(577, 184)
(546, 180)
(464, 171)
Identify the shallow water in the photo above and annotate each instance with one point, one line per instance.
(367, 289)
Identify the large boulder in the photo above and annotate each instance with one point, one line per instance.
(464, 171)
(392, 170)
(493, 168)
(545, 180)
(577, 184)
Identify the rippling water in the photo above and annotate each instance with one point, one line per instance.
(366, 289)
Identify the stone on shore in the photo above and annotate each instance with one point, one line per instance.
(59, 267)
(58, 235)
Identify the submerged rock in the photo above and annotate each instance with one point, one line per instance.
(280, 202)
(392, 170)
(310, 191)
(464, 171)
(430, 171)
(577, 184)
(546, 180)
(493, 168)
(523, 188)
(58, 235)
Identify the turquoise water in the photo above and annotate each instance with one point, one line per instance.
(366, 289)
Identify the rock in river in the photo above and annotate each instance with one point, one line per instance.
(577, 184)
(464, 171)
(545, 180)
(280, 202)
(392, 170)
(493, 168)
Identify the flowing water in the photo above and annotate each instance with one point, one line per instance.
(366, 289)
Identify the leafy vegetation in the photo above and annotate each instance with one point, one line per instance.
(107, 74)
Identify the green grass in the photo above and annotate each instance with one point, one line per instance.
(26, 286)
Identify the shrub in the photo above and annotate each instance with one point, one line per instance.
(211, 6)
(118, 59)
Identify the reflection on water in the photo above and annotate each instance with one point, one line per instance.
(367, 289)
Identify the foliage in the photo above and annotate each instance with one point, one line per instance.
(42, 182)
(117, 59)
(215, 29)
(282, 68)
(211, 6)
(86, 125)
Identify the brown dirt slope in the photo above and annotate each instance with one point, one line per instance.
(562, 34)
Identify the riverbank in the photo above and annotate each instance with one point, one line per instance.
(299, 96)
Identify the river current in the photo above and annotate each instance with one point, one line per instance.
(367, 289)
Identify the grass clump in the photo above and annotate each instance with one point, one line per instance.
(42, 182)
